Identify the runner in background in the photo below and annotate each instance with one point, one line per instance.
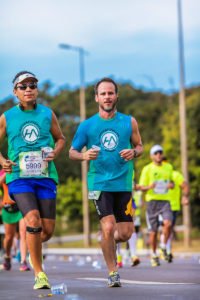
(179, 195)
(156, 181)
(12, 219)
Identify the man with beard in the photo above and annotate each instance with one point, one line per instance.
(112, 140)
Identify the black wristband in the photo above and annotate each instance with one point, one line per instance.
(135, 153)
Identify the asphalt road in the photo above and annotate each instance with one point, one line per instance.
(86, 278)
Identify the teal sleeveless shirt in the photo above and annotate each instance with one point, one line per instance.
(28, 131)
(109, 172)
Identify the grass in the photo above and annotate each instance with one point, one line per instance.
(178, 245)
(73, 244)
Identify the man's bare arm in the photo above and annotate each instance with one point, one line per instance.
(136, 138)
(4, 162)
(129, 154)
(58, 138)
(90, 154)
(185, 193)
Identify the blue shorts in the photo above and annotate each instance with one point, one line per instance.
(43, 188)
(34, 194)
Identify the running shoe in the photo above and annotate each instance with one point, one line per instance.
(163, 254)
(7, 263)
(170, 257)
(41, 281)
(114, 280)
(155, 261)
(24, 267)
(135, 261)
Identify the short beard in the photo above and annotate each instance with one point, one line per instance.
(108, 110)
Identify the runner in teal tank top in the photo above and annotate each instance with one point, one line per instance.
(111, 136)
(25, 149)
(112, 141)
(31, 128)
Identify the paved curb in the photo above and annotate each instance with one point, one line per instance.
(97, 251)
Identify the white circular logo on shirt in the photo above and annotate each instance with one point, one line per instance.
(109, 139)
(30, 133)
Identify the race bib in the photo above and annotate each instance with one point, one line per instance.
(31, 164)
(161, 187)
(94, 195)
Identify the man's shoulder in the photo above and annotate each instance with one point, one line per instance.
(11, 110)
(176, 175)
(148, 166)
(43, 107)
(90, 120)
(124, 116)
(167, 165)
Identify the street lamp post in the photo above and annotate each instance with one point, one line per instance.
(183, 134)
(86, 222)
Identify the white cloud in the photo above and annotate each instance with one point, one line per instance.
(124, 38)
(39, 24)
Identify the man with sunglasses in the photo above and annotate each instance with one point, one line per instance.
(156, 180)
(179, 195)
(32, 179)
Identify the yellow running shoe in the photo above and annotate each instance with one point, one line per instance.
(155, 261)
(163, 254)
(41, 281)
(114, 279)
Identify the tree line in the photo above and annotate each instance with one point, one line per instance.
(158, 119)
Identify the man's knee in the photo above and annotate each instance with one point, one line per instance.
(167, 223)
(47, 229)
(32, 219)
(46, 235)
(124, 236)
(9, 236)
(108, 229)
(125, 233)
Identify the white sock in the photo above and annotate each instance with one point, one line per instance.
(153, 254)
(118, 248)
(133, 244)
(162, 239)
(169, 244)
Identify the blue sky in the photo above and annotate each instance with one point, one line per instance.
(132, 40)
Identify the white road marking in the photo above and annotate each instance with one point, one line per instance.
(139, 282)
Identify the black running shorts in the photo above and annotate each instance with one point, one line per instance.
(118, 204)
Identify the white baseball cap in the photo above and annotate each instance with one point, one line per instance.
(22, 77)
(155, 148)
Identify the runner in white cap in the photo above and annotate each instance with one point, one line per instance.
(156, 180)
(32, 180)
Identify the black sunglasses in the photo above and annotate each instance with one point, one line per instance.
(160, 152)
(23, 87)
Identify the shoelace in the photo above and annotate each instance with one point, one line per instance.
(42, 278)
